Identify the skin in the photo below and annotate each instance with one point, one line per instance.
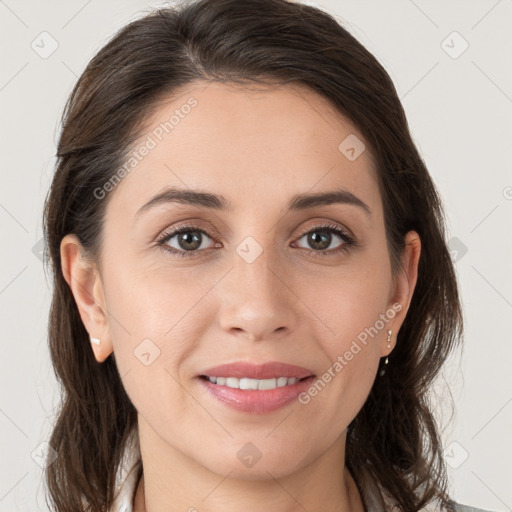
(258, 148)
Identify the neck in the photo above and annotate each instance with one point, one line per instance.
(322, 484)
(354, 503)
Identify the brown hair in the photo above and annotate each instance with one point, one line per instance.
(394, 439)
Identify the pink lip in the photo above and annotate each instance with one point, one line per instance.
(257, 371)
(257, 401)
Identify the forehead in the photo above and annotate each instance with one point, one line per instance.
(247, 142)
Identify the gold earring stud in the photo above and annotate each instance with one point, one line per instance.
(389, 345)
(386, 361)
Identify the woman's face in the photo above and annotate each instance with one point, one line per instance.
(256, 277)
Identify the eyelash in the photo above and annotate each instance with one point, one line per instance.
(345, 247)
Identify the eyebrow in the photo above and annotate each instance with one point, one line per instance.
(220, 203)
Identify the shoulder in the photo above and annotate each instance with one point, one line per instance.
(455, 507)
(434, 506)
(458, 507)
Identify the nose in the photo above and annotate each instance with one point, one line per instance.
(256, 301)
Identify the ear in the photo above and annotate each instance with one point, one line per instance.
(85, 283)
(403, 288)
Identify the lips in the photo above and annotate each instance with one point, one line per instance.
(267, 370)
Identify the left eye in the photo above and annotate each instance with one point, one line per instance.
(320, 239)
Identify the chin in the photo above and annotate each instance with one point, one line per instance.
(249, 463)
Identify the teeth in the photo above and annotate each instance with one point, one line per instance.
(259, 384)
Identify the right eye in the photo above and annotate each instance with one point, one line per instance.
(184, 241)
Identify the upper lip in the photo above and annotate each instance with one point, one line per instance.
(257, 371)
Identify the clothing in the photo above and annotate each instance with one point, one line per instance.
(127, 479)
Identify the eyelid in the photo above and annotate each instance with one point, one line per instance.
(328, 224)
(190, 225)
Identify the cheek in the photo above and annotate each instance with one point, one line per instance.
(149, 302)
(155, 324)
(342, 388)
(349, 302)
(357, 314)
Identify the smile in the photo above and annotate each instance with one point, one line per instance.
(253, 384)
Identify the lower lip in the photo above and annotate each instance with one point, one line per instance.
(257, 401)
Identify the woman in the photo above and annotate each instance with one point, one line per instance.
(253, 291)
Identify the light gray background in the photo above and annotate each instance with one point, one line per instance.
(459, 110)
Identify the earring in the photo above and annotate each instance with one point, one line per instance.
(389, 344)
(383, 371)
(96, 342)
